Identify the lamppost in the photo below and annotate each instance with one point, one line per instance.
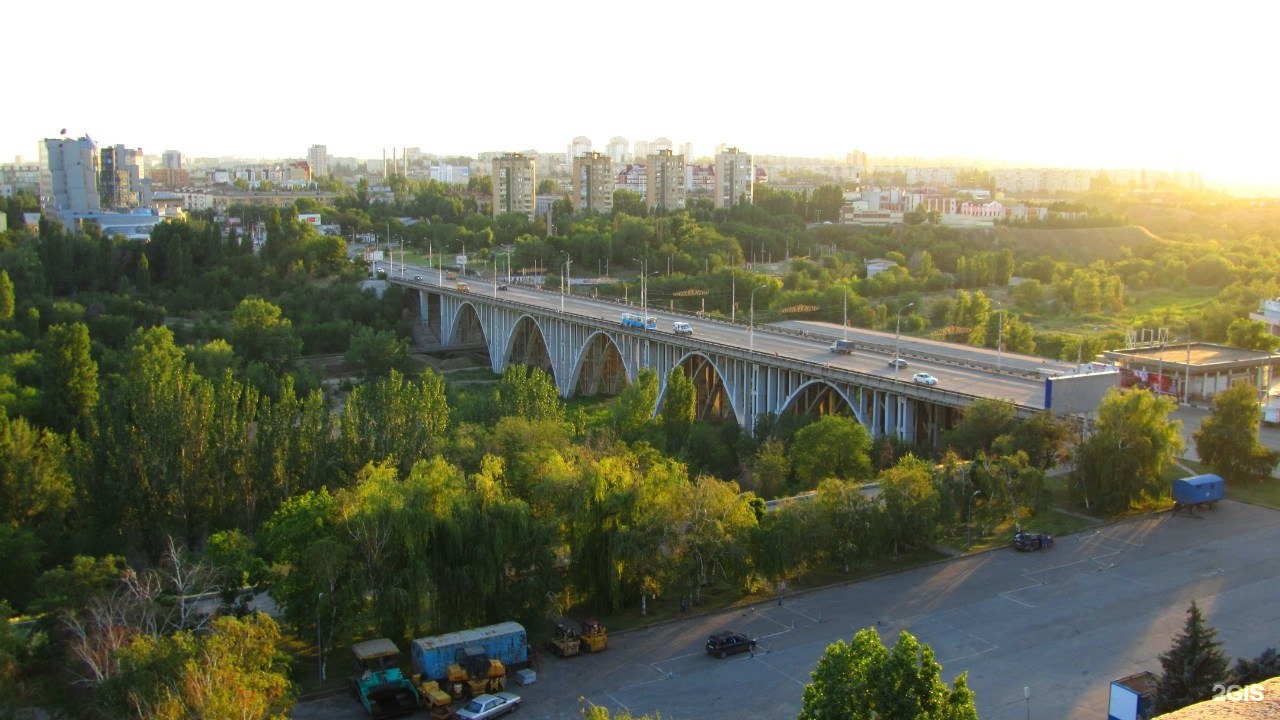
(568, 263)
(319, 638)
(968, 518)
(845, 322)
(751, 328)
(1000, 341)
(897, 336)
(644, 275)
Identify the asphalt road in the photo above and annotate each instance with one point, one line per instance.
(1062, 623)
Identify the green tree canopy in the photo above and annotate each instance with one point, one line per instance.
(1227, 440)
(1192, 667)
(864, 680)
(1124, 459)
(834, 446)
(261, 333)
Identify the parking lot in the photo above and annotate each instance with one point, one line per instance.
(1061, 623)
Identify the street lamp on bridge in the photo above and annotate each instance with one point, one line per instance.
(897, 339)
(751, 327)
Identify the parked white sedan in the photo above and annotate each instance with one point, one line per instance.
(487, 706)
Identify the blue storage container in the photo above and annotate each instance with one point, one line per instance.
(1198, 490)
(505, 641)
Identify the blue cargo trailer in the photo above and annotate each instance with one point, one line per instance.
(1197, 491)
(506, 641)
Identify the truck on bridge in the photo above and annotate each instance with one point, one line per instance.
(843, 347)
(641, 322)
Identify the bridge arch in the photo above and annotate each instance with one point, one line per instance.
(599, 367)
(820, 397)
(714, 399)
(527, 345)
(467, 328)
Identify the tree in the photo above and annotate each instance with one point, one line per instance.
(527, 392)
(1263, 667)
(833, 447)
(863, 680)
(6, 296)
(1132, 442)
(633, 413)
(679, 408)
(261, 333)
(1250, 335)
(395, 417)
(1192, 666)
(70, 375)
(233, 671)
(984, 420)
(1227, 440)
(374, 353)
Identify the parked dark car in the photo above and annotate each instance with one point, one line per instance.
(728, 643)
(1028, 541)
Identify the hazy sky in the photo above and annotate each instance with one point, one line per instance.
(1120, 84)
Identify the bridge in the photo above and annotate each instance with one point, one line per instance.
(740, 372)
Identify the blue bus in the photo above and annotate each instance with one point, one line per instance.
(639, 321)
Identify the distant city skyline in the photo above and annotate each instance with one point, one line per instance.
(1082, 85)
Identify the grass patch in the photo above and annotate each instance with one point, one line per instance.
(1262, 492)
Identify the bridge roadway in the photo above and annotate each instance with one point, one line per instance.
(963, 373)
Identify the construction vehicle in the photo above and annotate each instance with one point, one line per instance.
(565, 643)
(378, 684)
(471, 662)
(439, 704)
(594, 637)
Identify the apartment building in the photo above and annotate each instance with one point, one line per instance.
(72, 176)
(664, 181)
(735, 178)
(318, 159)
(515, 185)
(593, 183)
(120, 183)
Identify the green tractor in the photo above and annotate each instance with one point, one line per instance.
(378, 682)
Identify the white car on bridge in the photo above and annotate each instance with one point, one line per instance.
(681, 328)
(923, 378)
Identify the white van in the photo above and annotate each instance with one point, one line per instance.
(681, 328)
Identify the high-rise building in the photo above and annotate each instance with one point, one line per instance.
(735, 178)
(660, 144)
(515, 185)
(171, 160)
(318, 159)
(665, 181)
(73, 176)
(580, 146)
(593, 183)
(617, 150)
(120, 177)
(640, 150)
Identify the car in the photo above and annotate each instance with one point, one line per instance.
(486, 706)
(502, 286)
(727, 643)
(1029, 541)
(681, 328)
(923, 378)
(417, 277)
(897, 363)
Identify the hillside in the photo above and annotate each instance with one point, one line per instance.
(1082, 244)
